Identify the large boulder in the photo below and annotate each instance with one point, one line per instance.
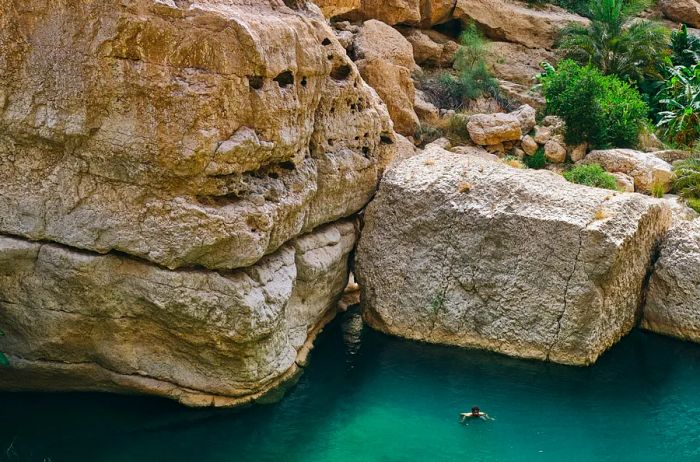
(187, 135)
(647, 170)
(385, 60)
(673, 297)
(334, 8)
(685, 11)
(77, 321)
(463, 251)
(491, 129)
(514, 21)
(394, 12)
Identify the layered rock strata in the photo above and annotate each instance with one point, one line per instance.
(463, 251)
(81, 321)
(169, 170)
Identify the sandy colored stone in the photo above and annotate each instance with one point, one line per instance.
(82, 321)
(203, 135)
(646, 169)
(526, 115)
(576, 153)
(378, 40)
(529, 145)
(425, 110)
(516, 63)
(673, 297)
(430, 48)
(624, 182)
(391, 12)
(516, 22)
(395, 87)
(491, 129)
(477, 254)
(554, 151)
(685, 11)
(334, 8)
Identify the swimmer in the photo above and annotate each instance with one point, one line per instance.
(476, 413)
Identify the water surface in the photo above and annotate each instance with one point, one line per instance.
(368, 397)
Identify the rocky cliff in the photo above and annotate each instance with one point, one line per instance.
(168, 170)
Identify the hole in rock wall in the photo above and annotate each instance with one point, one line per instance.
(385, 139)
(285, 79)
(255, 82)
(452, 28)
(326, 42)
(288, 165)
(341, 72)
(365, 151)
(303, 81)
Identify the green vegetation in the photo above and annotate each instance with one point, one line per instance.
(591, 175)
(613, 45)
(679, 101)
(575, 6)
(536, 161)
(473, 79)
(685, 48)
(687, 183)
(600, 110)
(3, 359)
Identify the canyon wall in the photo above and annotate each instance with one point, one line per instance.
(169, 172)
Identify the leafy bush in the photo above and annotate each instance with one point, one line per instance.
(694, 204)
(473, 79)
(600, 110)
(687, 183)
(680, 104)
(613, 44)
(591, 175)
(685, 48)
(536, 161)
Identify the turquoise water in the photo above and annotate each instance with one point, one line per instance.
(367, 397)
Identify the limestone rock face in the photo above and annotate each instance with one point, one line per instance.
(376, 40)
(673, 298)
(385, 60)
(646, 169)
(490, 129)
(513, 21)
(79, 321)
(333, 8)
(460, 251)
(187, 134)
(430, 47)
(685, 11)
(516, 63)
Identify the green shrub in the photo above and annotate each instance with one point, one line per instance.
(473, 78)
(591, 175)
(615, 45)
(536, 161)
(687, 183)
(694, 204)
(680, 103)
(685, 48)
(600, 110)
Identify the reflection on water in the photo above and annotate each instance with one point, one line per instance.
(373, 398)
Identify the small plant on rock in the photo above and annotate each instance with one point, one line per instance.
(591, 175)
(687, 183)
(473, 78)
(536, 161)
